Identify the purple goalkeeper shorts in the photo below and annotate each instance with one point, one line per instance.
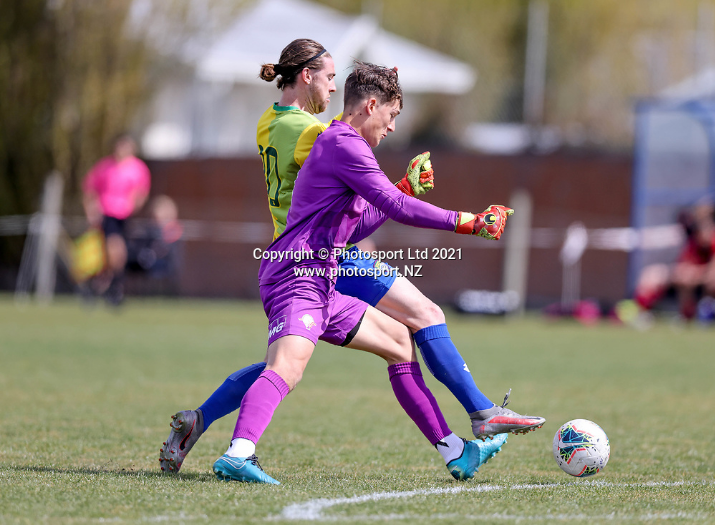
(312, 309)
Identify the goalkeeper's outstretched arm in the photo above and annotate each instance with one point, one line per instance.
(372, 185)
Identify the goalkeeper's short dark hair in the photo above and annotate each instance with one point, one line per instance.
(369, 80)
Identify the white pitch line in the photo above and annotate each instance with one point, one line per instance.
(517, 518)
(313, 510)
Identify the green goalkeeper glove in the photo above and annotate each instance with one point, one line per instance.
(489, 224)
(419, 178)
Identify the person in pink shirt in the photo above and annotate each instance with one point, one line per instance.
(114, 189)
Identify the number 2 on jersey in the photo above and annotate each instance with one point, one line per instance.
(273, 179)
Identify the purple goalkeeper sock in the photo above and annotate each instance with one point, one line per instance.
(417, 400)
(258, 405)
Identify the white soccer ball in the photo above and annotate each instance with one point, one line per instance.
(581, 448)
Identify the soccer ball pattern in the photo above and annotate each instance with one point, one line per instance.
(581, 448)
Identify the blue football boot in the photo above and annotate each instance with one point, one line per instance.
(475, 454)
(247, 469)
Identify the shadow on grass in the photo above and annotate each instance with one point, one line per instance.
(133, 473)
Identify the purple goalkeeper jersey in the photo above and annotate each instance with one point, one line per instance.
(341, 195)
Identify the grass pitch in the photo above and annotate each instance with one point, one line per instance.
(87, 395)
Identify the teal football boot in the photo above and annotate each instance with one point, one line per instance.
(475, 454)
(247, 469)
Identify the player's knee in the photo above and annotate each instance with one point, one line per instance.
(116, 251)
(427, 314)
(115, 243)
(291, 371)
(687, 275)
(654, 276)
(294, 380)
(291, 376)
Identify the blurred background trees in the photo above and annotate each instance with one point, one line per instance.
(73, 74)
(601, 56)
(70, 78)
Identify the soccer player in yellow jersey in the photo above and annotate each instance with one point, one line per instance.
(286, 133)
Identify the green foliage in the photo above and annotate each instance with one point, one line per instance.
(26, 85)
(87, 397)
(73, 75)
(70, 78)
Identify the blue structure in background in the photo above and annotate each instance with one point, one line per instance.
(674, 167)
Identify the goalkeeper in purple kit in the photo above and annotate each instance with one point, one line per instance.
(341, 195)
(341, 319)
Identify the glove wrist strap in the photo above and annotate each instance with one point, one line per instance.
(405, 187)
(465, 223)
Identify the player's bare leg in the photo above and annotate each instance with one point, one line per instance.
(116, 262)
(383, 336)
(288, 357)
(405, 303)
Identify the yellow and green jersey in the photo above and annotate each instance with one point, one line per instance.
(285, 136)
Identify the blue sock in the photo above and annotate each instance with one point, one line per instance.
(229, 395)
(446, 364)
